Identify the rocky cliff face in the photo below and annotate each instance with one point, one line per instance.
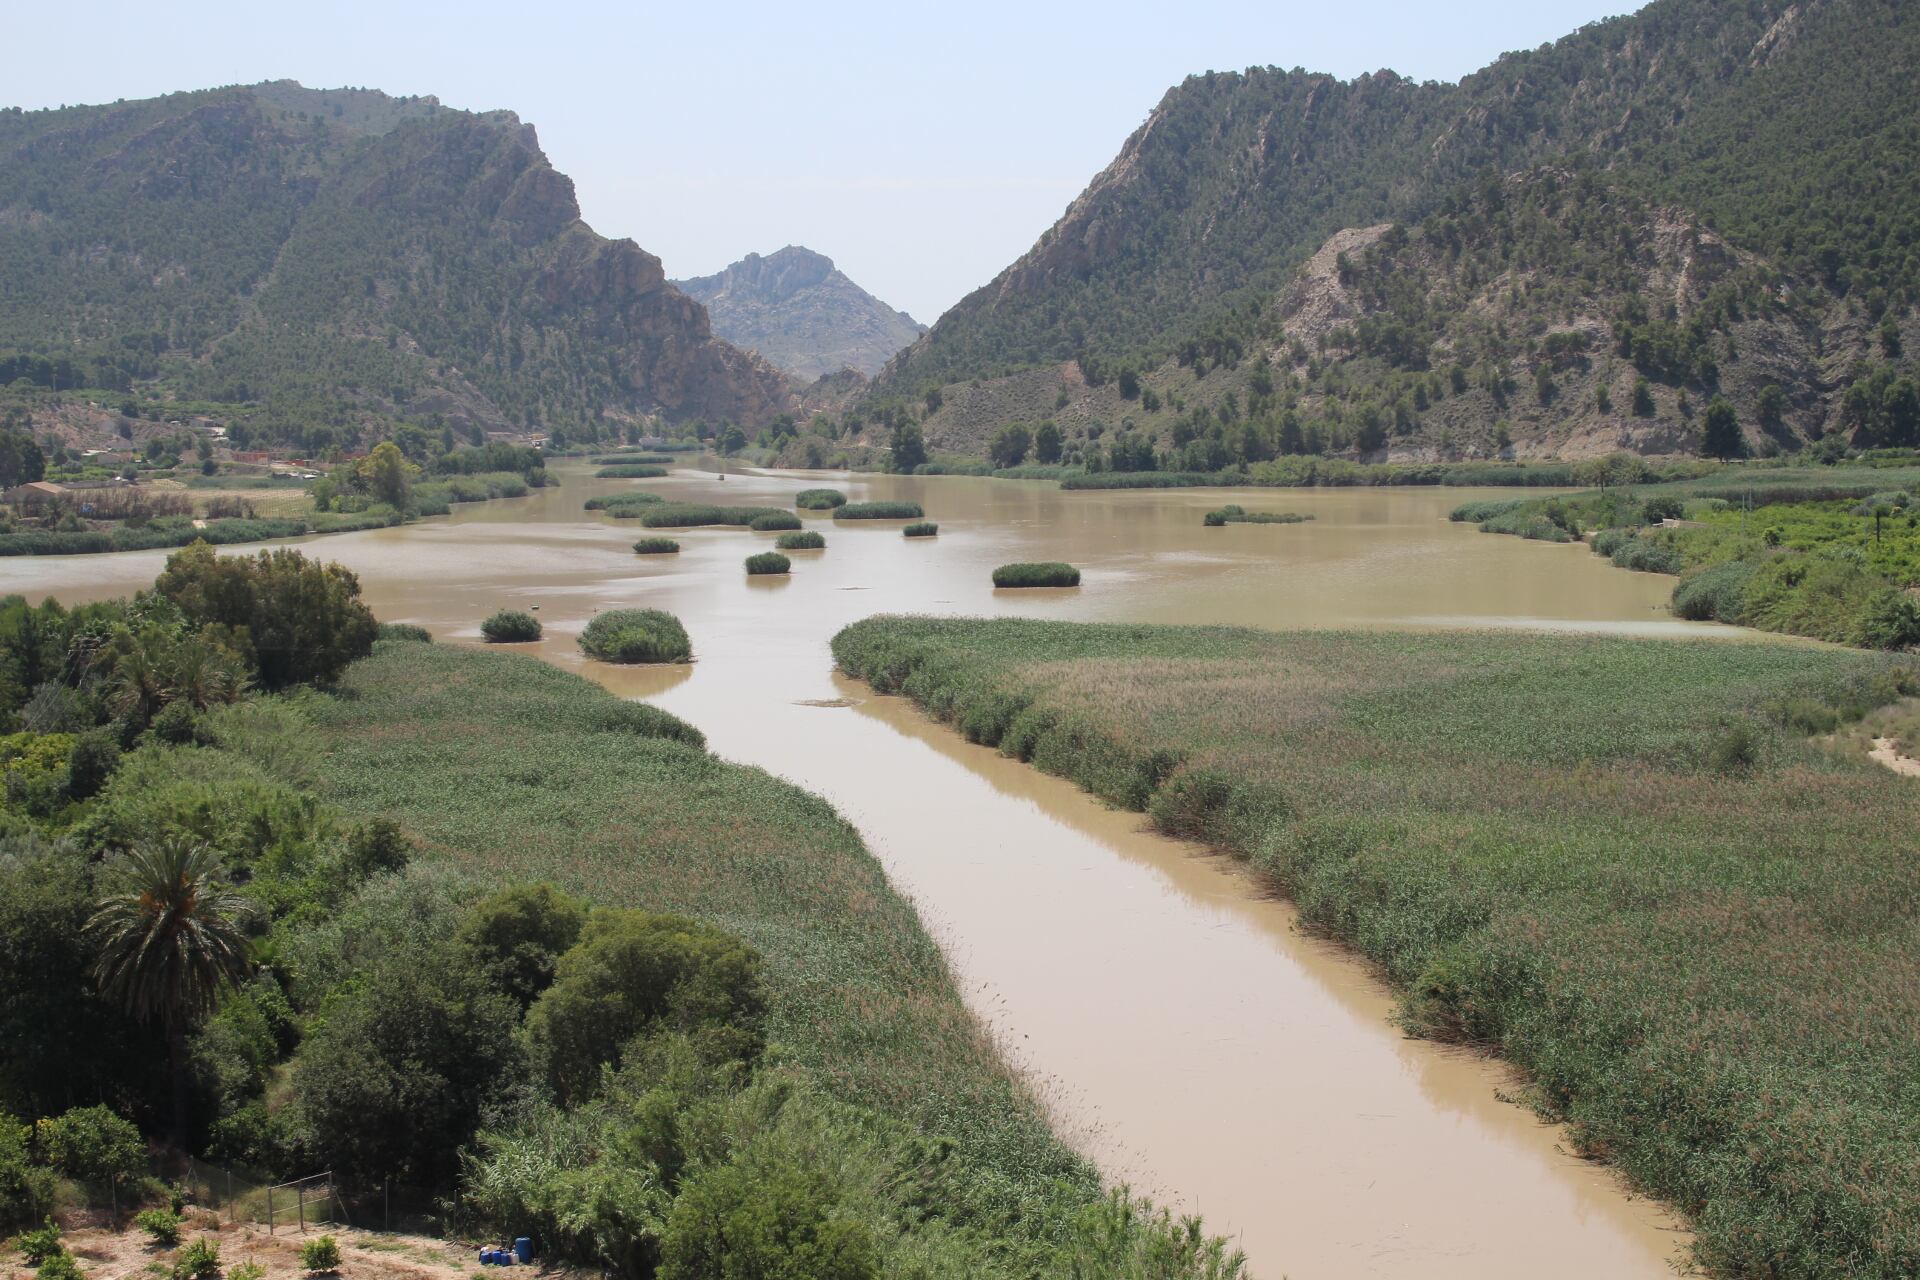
(352, 256)
(804, 315)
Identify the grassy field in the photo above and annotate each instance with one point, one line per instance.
(1623, 863)
(589, 799)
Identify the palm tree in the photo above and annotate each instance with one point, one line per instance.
(169, 941)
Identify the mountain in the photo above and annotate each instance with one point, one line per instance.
(342, 257)
(1784, 132)
(799, 311)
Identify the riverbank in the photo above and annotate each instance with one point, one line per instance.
(1621, 863)
(860, 998)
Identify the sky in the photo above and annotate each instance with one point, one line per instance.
(923, 147)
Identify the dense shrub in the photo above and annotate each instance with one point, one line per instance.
(636, 635)
(773, 521)
(1647, 555)
(643, 720)
(510, 626)
(61, 1266)
(761, 1218)
(807, 540)
(404, 631)
(921, 529)
(879, 511)
(41, 1243)
(819, 499)
(1715, 593)
(768, 563)
(1042, 574)
(322, 1254)
(200, 1260)
(161, 1225)
(630, 471)
(655, 547)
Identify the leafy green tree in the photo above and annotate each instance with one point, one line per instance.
(1642, 398)
(519, 934)
(1771, 407)
(387, 476)
(21, 460)
(26, 1192)
(1721, 437)
(1046, 443)
(301, 621)
(93, 1144)
(634, 972)
(730, 441)
(909, 448)
(412, 1051)
(168, 939)
(1009, 445)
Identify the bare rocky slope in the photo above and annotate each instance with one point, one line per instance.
(803, 314)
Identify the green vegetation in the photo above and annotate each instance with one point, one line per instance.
(768, 563)
(773, 521)
(879, 511)
(921, 529)
(681, 515)
(510, 626)
(1049, 573)
(1599, 856)
(320, 1254)
(636, 635)
(808, 540)
(404, 631)
(630, 471)
(1233, 513)
(819, 499)
(400, 964)
(626, 506)
(1828, 553)
(636, 460)
(655, 547)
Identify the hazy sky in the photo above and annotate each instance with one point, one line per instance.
(921, 146)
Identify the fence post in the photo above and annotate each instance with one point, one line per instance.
(233, 1214)
(269, 1210)
(301, 1191)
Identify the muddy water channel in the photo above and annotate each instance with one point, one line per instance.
(1181, 1030)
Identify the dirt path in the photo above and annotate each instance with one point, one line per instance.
(104, 1254)
(1887, 752)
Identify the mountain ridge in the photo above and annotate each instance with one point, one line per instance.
(802, 313)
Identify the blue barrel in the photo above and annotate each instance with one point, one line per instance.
(523, 1249)
(486, 1257)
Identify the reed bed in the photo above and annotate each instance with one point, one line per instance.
(655, 547)
(625, 506)
(510, 626)
(921, 529)
(636, 635)
(774, 521)
(768, 564)
(630, 471)
(1625, 864)
(636, 460)
(1045, 573)
(879, 511)
(807, 540)
(617, 801)
(819, 499)
(686, 515)
(1233, 513)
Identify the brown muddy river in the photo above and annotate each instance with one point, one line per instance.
(1182, 1032)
